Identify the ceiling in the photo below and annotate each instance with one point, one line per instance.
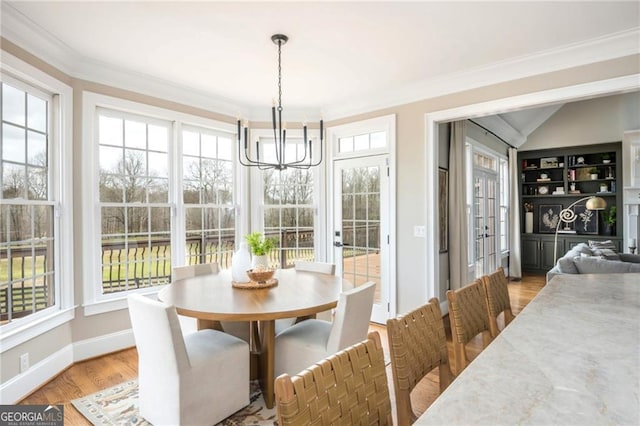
(342, 57)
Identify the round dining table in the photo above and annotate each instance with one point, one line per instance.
(212, 298)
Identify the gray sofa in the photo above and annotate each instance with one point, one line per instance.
(595, 258)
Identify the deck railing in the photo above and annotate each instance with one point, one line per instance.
(136, 265)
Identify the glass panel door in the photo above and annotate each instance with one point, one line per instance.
(484, 223)
(361, 226)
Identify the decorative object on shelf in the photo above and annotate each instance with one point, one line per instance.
(632, 245)
(609, 218)
(586, 220)
(580, 160)
(548, 163)
(572, 188)
(544, 176)
(606, 158)
(548, 218)
(279, 133)
(610, 173)
(240, 263)
(528, 218)
(543, 190)
(604, 187)
(567, 215)
(260, 248)
(593, 172)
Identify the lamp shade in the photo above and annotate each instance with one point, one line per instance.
(596, 203)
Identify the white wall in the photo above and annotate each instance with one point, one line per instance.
(588, 122)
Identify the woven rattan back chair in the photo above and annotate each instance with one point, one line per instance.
(417, 344)
(347, 388)
(497, 290)
(469, 317)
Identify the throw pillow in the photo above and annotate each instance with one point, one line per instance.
(606, 254)
(608, 244)
(594, 265)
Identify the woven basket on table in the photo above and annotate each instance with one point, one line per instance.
(260, 276)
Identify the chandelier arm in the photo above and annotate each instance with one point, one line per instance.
(240, 147)
(275, 136)
(321, 152)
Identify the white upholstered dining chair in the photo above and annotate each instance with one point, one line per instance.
(305, 266)
(199, 378)
(307, 342)
(236, 328)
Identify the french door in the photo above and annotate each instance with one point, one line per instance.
(485, 222)
(361, 226)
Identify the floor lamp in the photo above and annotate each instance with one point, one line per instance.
(569, 216)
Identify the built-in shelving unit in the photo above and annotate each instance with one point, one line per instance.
(552, 180)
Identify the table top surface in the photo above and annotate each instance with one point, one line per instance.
(213, 297)
(572, 356)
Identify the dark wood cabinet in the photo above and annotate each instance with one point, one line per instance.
(555, 179)
(537, 252)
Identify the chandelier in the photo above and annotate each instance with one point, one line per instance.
(279, 133)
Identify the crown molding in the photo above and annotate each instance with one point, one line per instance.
(611, 46)
(28, 35)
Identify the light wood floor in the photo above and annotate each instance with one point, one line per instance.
(96, 374)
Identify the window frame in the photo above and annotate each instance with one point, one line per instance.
(94, 302)
(60, 188)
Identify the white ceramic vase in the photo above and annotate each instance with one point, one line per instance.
(260, 261)
(240, 264)
(528, 222)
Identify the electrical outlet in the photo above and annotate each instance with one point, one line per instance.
(24, 362)
(418, 231)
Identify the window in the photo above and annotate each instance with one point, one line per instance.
(35, 203)
(207, 194)
(133, 154)
(27, 237)
(288, 201)
(162, 190)
(363, 142)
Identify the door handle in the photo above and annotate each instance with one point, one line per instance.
(338, 244)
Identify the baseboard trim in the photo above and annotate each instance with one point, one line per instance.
(101, 345)
(20, 386)
(25, 383)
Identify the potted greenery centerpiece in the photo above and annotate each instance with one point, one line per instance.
(606, 158)
(260, 248)
(609, 217)
(594, 173)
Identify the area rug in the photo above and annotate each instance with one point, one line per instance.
(118, 405)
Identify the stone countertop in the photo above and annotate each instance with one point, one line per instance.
(572, 356)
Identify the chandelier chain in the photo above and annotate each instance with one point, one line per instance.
(279, 75)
